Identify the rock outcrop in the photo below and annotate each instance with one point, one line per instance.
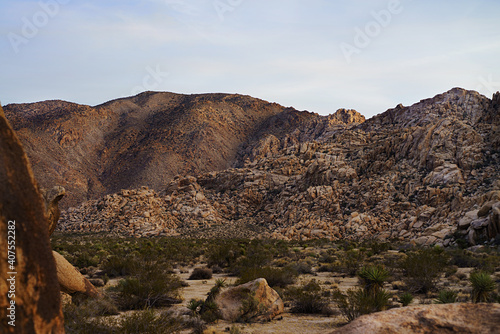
(143, 140)
(23, 224)
(252, 301)
(429, 319)
(72, 281)
(52, 198)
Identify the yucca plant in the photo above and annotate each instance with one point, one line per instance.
(482, 286)
(373, 278)
(406, 298)
(446, 297)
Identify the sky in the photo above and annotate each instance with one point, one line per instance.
(315, 55)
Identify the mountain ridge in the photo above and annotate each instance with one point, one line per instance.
(411, 173)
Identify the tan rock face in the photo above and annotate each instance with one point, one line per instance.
(429, 319)
(233, 302)
(37, 296)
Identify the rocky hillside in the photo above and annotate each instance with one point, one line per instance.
(144, 140)
(428, 173)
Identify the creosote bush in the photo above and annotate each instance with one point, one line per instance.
(200, 273)
(422, 268)
(308, 298)
(275, 277)
(150, 285)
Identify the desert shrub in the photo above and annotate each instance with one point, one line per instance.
(463, 259)
(351, 261)
(446, 297)
(235, 330)
(117, 265)
(406, 298)
(482, 286)
(250, 306)
(150, 285)
(275, 277)
(327, 268)
(308, 298)
(86, 318)
(422, 268)
(207, 310)
(377, 246)
(84, 259)
(301, 267)
(256, 254)
(357, 302)
(149, 322)
(200, 273)
(223, 254)
(328, 256)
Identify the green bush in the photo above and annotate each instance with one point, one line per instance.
(357, 302)
(85, 318)
(150, 285)
(422, 268)
(118, 265)
(406, 298)
(223, 254)
(446, 297)
(149, 322)
(482, 287)
(308, 298)
(351, 261)
(275, 277)
(301, 267)
(200, 273)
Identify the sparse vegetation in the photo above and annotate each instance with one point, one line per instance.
(146, 279)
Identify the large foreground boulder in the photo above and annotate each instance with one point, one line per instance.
(72, 282)
(252, 301)
(429, 319)
(32, 292)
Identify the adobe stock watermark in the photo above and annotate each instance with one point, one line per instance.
(224, 6)
(489, 84)
(372, 29)
(151, 80)
(31, 26)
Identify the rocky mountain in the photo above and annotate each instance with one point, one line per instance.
(141, 141)
(427, 173)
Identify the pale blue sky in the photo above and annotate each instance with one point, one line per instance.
(314, 55)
